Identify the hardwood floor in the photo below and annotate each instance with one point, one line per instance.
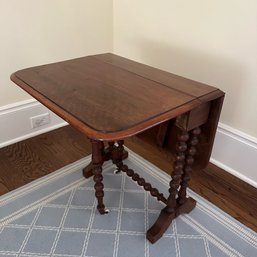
(25, 161)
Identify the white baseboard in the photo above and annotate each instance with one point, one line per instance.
(236, 152)
(233, 151)
(15, 122)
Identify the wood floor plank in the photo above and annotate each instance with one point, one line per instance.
(28, 160)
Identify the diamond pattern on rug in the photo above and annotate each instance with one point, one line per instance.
(39, 241)
(70, 243)
(68, 224)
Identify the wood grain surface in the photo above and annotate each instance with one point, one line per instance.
(108, 97)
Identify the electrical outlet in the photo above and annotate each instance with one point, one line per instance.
(40, 120)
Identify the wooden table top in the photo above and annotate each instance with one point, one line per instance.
(109, 97)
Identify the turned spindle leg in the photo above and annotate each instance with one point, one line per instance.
(97, 162)
(169, 212)
(191, 151)
(136, 177)
(177, 173)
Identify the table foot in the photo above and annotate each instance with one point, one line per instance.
(165, 218)
(160, 226)
(116, 171)
(88, 171)
(186, 207)
(103, 210)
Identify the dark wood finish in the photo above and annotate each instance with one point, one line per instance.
(162, 132)
(100, 154)
(116, 155)
(177, 202)
(199, 115)
(208, 131)
(25, 161)
(136, 177)
(109, 101)
(165, 218)
(226, 191)
(177, 173)
(207, 135)
(190, 87)
(189, 160)
(107, 154)
(97, 162)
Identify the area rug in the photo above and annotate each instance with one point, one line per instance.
(56, 216)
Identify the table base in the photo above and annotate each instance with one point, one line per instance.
(177, 203)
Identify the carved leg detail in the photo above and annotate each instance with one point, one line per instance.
(177, 202)
(177, 173)
(170, 211)
(131, 173)
(188, 167)
(97, 162)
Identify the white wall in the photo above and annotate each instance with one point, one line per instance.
(214, 42)
(34, 32)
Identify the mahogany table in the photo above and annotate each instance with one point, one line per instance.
(110, 98)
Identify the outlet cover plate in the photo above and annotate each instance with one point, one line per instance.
(40, 120)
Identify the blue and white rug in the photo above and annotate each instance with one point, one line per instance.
(57, 216)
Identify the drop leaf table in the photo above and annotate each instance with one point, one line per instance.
(110, 98)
